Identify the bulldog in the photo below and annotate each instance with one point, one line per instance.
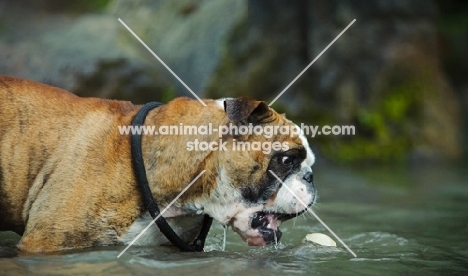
(66, 176)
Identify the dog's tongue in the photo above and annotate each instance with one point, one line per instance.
(272, 221)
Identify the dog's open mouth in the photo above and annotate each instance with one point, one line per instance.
(267, 225)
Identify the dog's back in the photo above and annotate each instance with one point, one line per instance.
(39, 126)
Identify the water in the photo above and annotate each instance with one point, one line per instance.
(397, 220)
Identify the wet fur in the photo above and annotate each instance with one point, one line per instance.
(66, 179)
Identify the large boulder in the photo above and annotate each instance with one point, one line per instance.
(187, 35)
(83, 53)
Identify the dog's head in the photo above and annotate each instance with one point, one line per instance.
(266, 154)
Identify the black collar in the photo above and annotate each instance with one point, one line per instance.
(148, 200)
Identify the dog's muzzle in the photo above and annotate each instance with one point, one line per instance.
(267, 223)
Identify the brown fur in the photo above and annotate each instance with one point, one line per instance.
(66, 179)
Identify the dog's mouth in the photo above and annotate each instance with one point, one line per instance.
(267, 224)
(259, 225)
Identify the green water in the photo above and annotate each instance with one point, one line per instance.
(398, 221)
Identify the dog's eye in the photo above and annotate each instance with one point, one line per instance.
(287, 161)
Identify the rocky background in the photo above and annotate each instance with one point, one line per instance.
(398, 74)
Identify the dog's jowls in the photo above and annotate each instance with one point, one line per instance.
(66, 179)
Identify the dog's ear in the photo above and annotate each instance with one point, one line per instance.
(246, 108)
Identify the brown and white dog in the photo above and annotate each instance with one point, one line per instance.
(66, 178)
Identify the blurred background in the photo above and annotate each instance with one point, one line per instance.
(398, 74)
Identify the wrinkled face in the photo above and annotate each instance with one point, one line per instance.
(251, 196)
(269, 201)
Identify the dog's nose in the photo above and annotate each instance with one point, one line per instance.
(309, 177)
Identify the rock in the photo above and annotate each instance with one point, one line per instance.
(320, 239)
(187, 35)
(389, 84)
(265, 52)
(84, 54)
